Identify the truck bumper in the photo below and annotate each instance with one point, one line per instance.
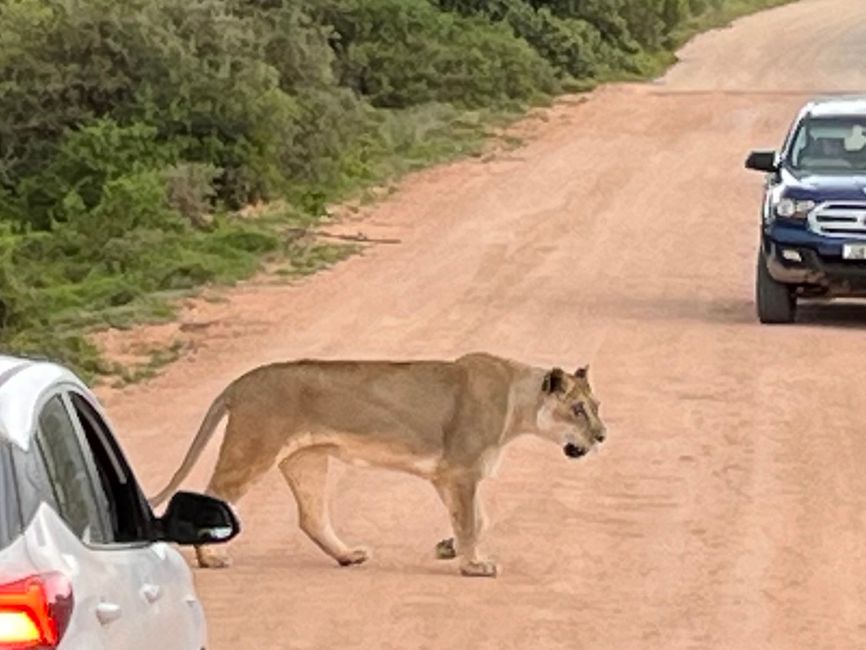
(814, 271)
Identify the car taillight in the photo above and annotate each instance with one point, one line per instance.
(35, 612)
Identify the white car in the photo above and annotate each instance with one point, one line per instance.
(84, 563)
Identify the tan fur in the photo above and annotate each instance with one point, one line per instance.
(444, 421)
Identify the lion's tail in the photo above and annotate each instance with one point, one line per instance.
(212, 418)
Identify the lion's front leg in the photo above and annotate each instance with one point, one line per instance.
(461, 498)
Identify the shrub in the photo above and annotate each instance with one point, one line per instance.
(190, 190)
(400, 53)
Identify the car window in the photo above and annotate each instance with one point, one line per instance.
(130, 516)
(10, 513)
(80, 500)
(32, 480)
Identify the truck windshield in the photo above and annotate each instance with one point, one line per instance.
(830, 145)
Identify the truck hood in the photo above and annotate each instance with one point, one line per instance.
(824, 187)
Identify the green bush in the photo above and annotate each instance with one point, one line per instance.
(190, 190)
(572, 45)
(400, 53)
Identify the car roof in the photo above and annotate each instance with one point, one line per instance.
(845, 105)
(23, 382)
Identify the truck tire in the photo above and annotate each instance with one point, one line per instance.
(776, 302)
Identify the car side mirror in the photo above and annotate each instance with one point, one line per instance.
(197, 519)
(762, 161)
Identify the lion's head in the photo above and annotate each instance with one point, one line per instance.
(569, 412)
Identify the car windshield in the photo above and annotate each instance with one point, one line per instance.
(830, 145)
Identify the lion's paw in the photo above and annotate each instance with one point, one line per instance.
(209, 558)
(480, 569)
(355, 556)
(445, 549)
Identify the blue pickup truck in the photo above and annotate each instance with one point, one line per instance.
(813, 224)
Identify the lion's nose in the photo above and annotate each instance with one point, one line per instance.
(573, 451)
(600, 435)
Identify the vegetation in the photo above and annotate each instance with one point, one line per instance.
(132, 132)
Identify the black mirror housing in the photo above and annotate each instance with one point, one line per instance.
(762, 161)
(197, 519)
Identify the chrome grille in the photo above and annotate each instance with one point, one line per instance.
(840, 219)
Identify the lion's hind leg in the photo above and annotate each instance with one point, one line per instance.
(306, 472)
(446, 550)
(242, 461)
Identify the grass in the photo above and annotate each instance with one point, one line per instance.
(158, 357)
(309, 259)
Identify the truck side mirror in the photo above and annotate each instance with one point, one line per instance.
(762, 161)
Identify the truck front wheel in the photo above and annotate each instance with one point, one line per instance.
(776, 302)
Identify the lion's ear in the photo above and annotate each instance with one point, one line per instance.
(582, 373)
(553, 381)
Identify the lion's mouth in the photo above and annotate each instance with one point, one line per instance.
(574, 451)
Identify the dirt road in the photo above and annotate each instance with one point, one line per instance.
(726, 509)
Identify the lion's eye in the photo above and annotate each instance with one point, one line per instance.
(578, 409)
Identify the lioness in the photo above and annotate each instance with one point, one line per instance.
(445, 421)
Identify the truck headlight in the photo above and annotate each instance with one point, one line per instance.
(792, 209)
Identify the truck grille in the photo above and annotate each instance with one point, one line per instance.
(840, 219)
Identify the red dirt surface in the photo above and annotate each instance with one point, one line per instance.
(726, 509)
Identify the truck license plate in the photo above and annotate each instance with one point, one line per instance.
(854, 251)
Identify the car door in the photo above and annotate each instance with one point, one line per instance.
(71, 534)
(160, 579)
(149, 602)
